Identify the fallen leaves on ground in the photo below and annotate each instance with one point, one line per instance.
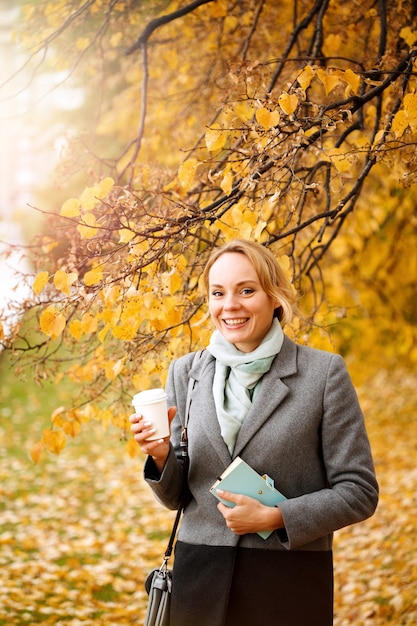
(79, 533)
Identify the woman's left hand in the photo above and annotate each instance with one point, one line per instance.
(248, 515)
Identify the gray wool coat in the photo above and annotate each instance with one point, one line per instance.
(306, 430)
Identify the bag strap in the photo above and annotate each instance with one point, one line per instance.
(185, 464)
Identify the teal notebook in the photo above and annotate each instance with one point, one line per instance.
(241, 478)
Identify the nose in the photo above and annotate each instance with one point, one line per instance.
(230, 302)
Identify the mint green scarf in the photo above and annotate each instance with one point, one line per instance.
(235, 384)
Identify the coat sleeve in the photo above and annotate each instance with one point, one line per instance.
(167, 486)
(352, 490)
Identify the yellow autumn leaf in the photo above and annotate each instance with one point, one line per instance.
(105, 186)
(353, 80)
(126, 331)
(259, 228)
(53, 440)
(36, 451)
(215, 138)
(288, 103)
(72, 428)
(332, 44)
(305, 77)
(243, 110)
(40, 281)
(89, 323)
(70, 208)
(186, 173)
(267, 119)
(330, 81)
(227, 183)
(93, 276)
(108, 370)
(86, 326)
(111, 294)
(285, 262)
(52, 322)
(176, 282)
(76, 329)
(118, 366)
(408, 35)
(64, 280)
(87, 227)
(57, 416)
(339, 160)
(399, 123)
(410, 107)
(125, 235)
(88, 198)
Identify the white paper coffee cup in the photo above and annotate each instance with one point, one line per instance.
(152, 405)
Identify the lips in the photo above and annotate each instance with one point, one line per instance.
(235, 322)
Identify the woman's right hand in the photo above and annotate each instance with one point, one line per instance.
(158, 449)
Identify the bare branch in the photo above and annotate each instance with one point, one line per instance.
(160, 21)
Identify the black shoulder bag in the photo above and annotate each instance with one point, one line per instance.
(158, 584)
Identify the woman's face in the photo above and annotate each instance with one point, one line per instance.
(240, 309)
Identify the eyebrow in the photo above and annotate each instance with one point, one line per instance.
(241, 282)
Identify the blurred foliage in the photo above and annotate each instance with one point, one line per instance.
(204, 122)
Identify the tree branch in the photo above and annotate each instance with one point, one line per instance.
(160, 21)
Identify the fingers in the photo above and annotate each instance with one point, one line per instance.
(236, 498)
(140, 428)
(244, 516)
(172, 411)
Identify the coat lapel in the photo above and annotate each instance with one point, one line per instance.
(204, 408)
(272, 392)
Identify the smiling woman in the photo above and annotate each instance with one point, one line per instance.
(244, 278)
(240, 309)
(290, 412)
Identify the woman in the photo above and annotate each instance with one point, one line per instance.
(289, 411)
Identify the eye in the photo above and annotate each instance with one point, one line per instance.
(247, 291)
(216, 293)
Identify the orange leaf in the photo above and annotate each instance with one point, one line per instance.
(70, 208)
(54, 440)
(305, 77)
(186, 173)
(40, 281)
(52, 322)
(329, 81)
(64, 280)
(267, 119)
(288, 103)
(36, 451)
(215, 138)
(94, 276)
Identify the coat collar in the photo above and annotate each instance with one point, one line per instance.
(272, 392)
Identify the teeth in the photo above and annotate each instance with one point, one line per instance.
(235, 322)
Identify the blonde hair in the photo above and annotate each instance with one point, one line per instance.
(271, 276)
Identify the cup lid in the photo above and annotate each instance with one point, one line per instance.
(149, 395)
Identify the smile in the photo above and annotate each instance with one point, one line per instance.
(235, 322)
